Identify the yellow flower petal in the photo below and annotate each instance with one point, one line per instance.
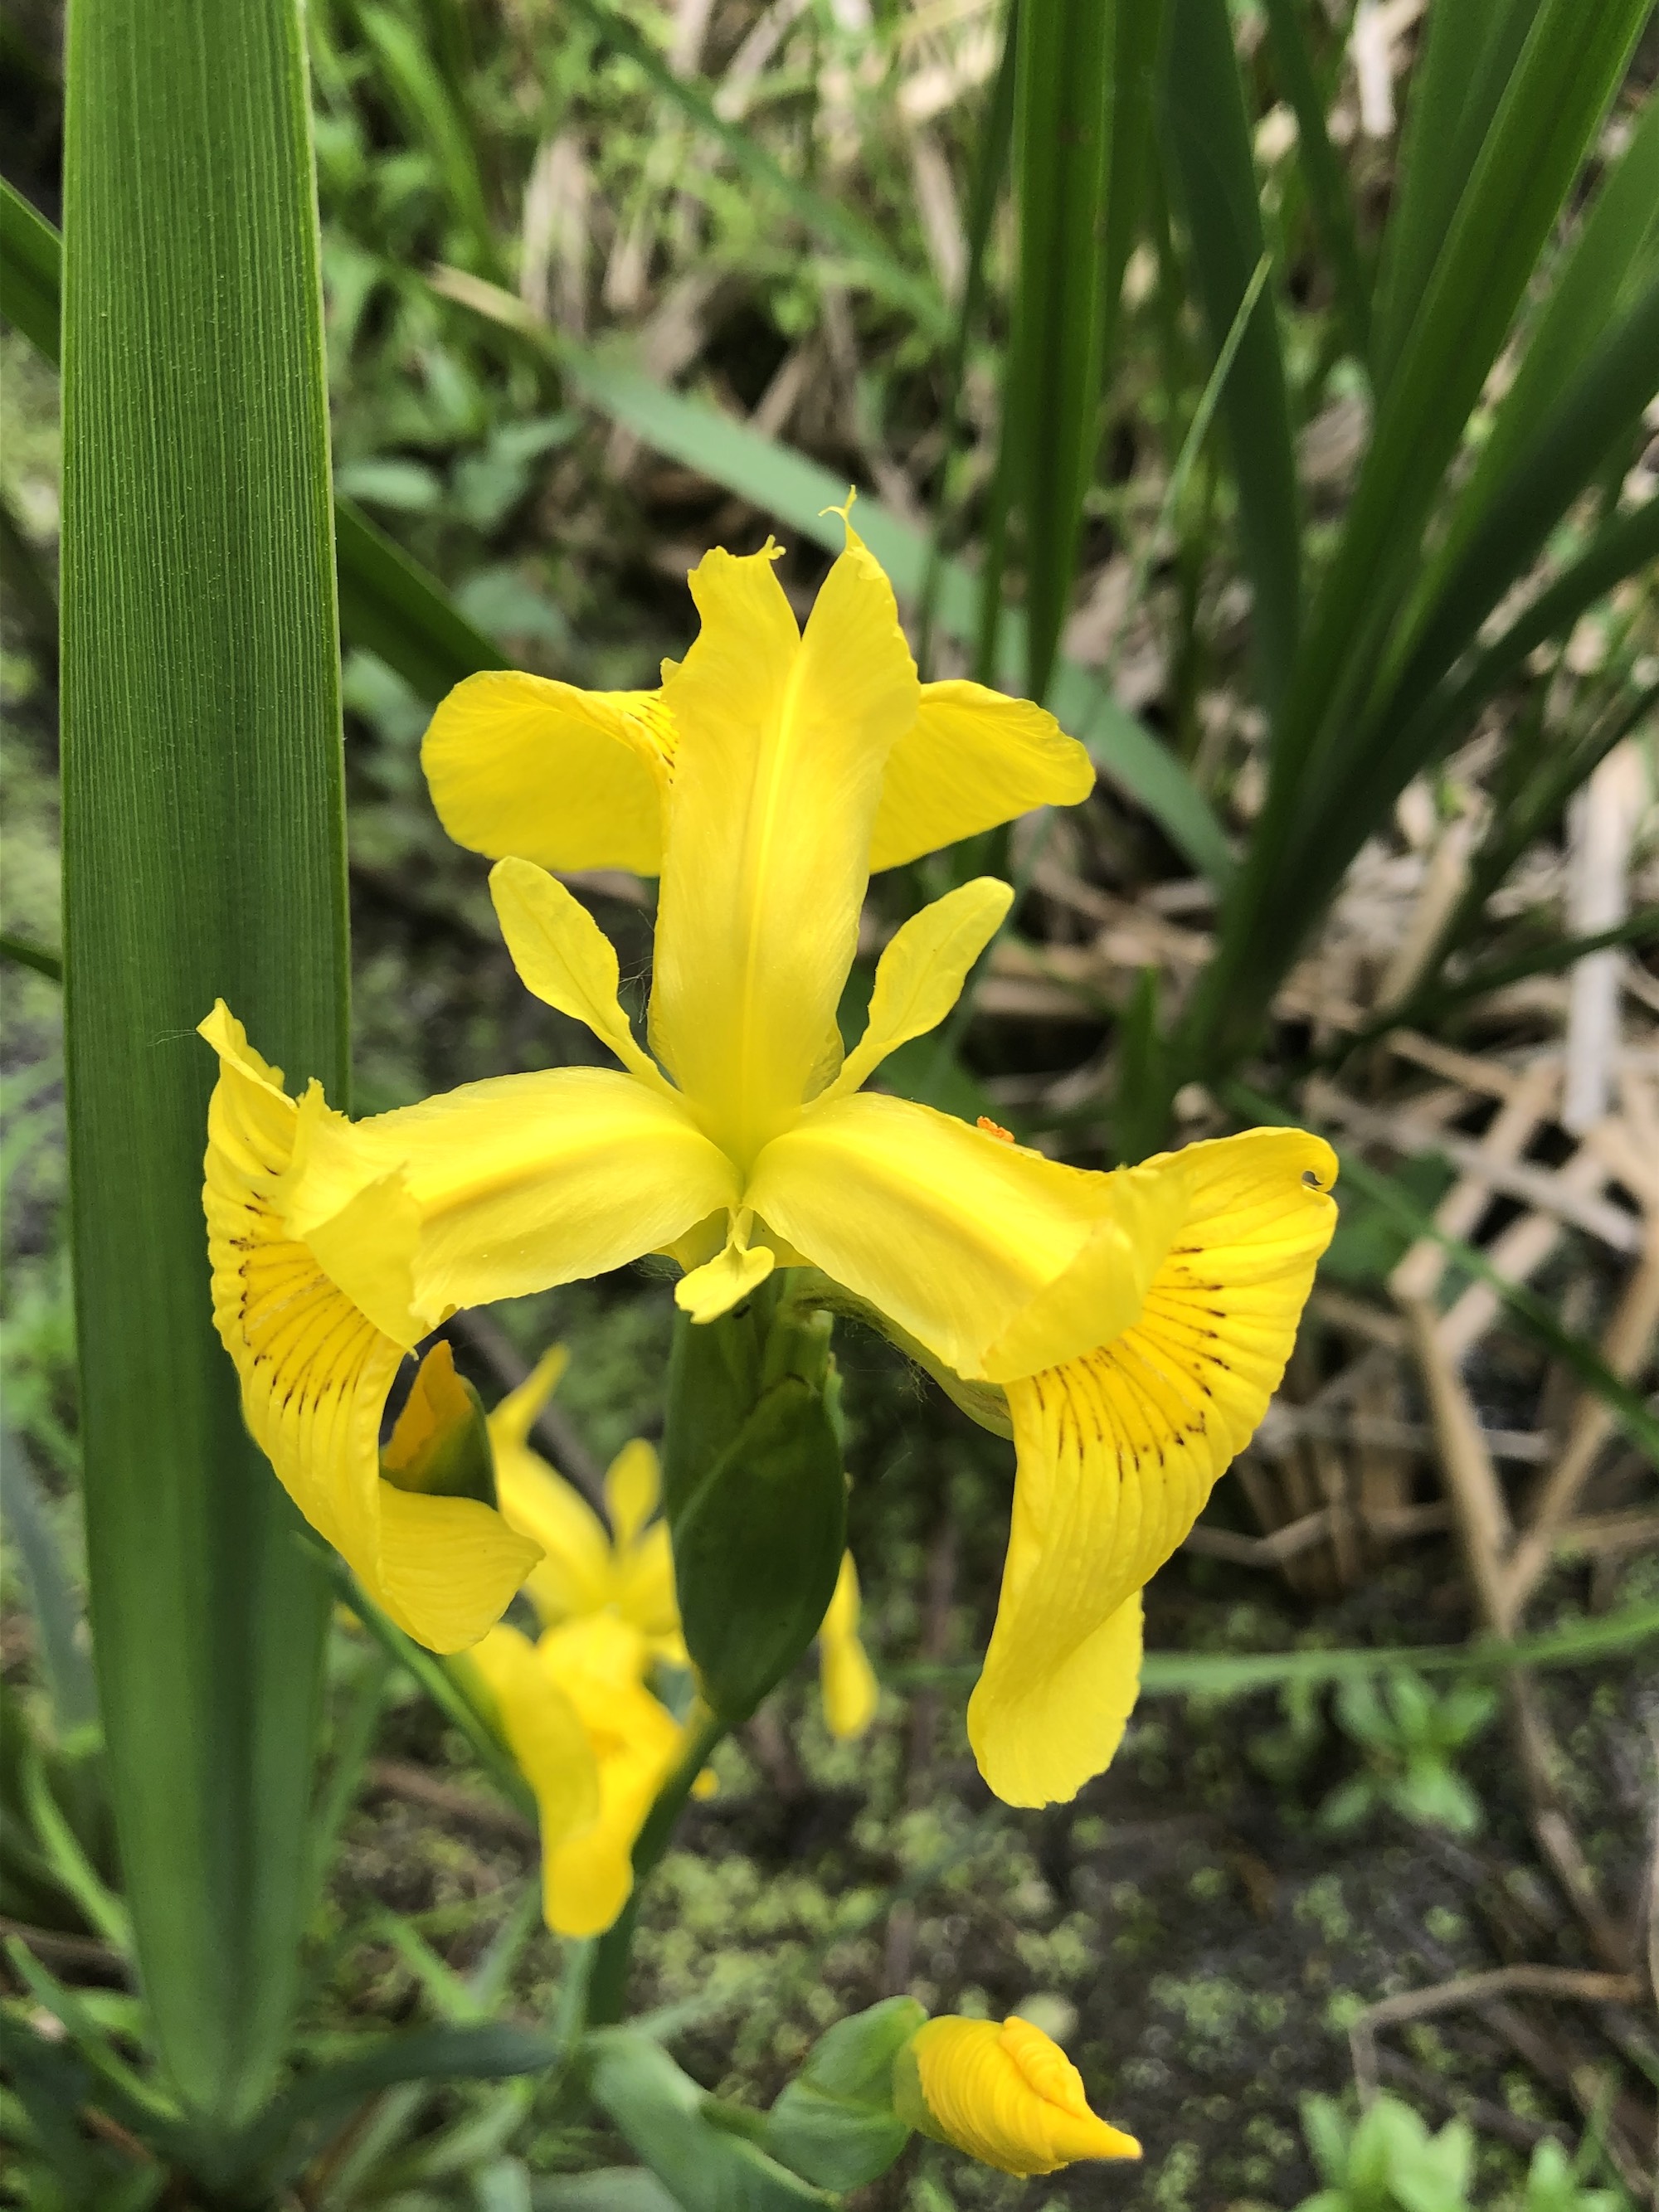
(573, 1575)
(504, 1188)
(548, 1739)
(1009, 2096)
(782, 740)
(646, 1593)
(564, 957)
(946, 1229)
(597, 1663)
(1118, 1449)
(568, 779)
(512, 1418)
(971, 760)
(633, 1488)
(315, 1373)
(919, 975)
(846, 1678)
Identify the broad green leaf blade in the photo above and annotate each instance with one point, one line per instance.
(203, 842)
(1206, 141)
(1329, 201)
(1051, 393)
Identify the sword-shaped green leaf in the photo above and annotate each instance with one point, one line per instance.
(203, 855)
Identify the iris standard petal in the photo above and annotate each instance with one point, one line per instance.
(1009, 2096)
(568, 779)
(548, 1741)
(972, 759)
(919, 975)
(564, 957)
(505, 1186)
(846, 1678)
(1117, 1451)
(315, 1373)
(781, 741)
(597, 1663)
(947, 1229)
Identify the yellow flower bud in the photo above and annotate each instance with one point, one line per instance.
(1006, 2094)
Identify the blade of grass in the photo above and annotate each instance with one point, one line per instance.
(65, 1668)
(1206, 142)
(1438, 999)
(29, 256)
(1595, 417)
(1560, 87)
(432, 116)
(1329, 202)
(390, 605)
(1468, 60)
(1237, 1674)
(990, 163)
(1616, 251)
(1063, 99)
(203, 855)
(23, 954)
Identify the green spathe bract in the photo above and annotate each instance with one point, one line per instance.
(203, 855)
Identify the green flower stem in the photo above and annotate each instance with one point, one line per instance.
(607, 1982)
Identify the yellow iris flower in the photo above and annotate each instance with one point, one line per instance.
(584, 1569)
(1136, 1322)
(594, 1746)
(1007, 2094)
(630, 1571)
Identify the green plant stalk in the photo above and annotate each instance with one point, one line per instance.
(607, 1980)
(203, 855)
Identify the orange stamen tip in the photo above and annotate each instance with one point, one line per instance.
(994, 1129)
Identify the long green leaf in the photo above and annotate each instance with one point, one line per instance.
(29, 256)
(1063, 98)
(1468, 60)
(391, 606)
(203, 855)
(1328, 198)
(1207, 140)
(1566, 75)
(1239, 1673)
(1614, 254)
